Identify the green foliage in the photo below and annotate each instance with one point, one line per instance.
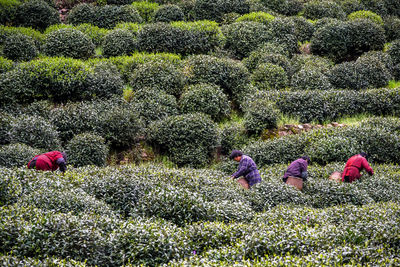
(310, 78)
(394, 51)
(119, 42)
(233, 136)
(304, 29)
(230, 75)
(6, 32)
(366, 14)
(268, 76)
(302, 61)
(95, 33)
(205, 98)
(214, 10)
(68, 43)
(243, 37)
(10, 187)
(5, 127)
(168, 13)
(188, 139)
(160, 75)
(285, 7)
(37, 14)
(82, 13)
(152, 104)
(365, 36)
(146, 9)
(323, 9)
(259, 116)
(392, 28)
(262, 17)
(87, 149)
(34, 131)
(20, 47)
(269, 53)
(106, 81)
(16, 155)
(8, 8)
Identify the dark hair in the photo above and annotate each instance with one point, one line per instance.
(235, 153)
(307, 158)
(364, 155)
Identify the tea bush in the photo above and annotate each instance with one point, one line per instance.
(146, 9)
(259, 116)
(365, 36)
(5, 127)
(392, 28)
(230, 75)
(265, 55)
(350, 6)
(286, 7)
(205, 98)
(327, 9)
(269, 76)
(106, 81)
(366, 14)
(82, 13)
(87, 149)
(168, 13)
(35, 132)
(36, 14)
(214, 10)
(152, 105)
(95, 33)
(119, 42)
(317, 63)
(68, 43)
(5, 65)
(394, 51)
(310, 79)
(10, 187)
(6, 31)
(160, 75)
(303, 29)
(243, 37)
(261, 17)
(19, 47)
(8, 9)
(188, 139)
(16, 155)
(233, 136)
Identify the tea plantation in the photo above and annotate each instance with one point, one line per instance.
(148, 99)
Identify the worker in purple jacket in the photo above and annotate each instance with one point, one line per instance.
(247, 168)
(298, 168)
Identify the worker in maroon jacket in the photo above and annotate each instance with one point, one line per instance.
(354, 165)
(49, 161)
(298, 168)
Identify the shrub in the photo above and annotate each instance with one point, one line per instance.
(6, 32)
(146, 9)
(303, 29)
(68, 43)
(285, 7)
(5, 65)
(366, 36)
(372, 71)
(20, 47)
(35, 132)
(37, 14)
(118, 43)
(205, 98)
(331, 149)
(8, 9)
(392, 28)
(310, 79)
(214, 10)
(321, 9)
(87, 149)
(269, 76)
(16, 155)
(261, 17)
(350, 6)
(376, 6)
(394, 51)
(345, 76)
(230, 75)
(159, 37)
(233, 136)
(95, 33)
(82, 13)
(168, 13)
(333, 41)
(244, 37)
(265, 54)
(366, 14)
(105, 81)
(133, 28)
(152, 104)
(302, 61)
(5, 127)
(260, 116)
(188, 139)
(159, 75)
(113, 120)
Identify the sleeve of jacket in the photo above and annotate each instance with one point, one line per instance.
(61, 164)
(242, 168)
(366, 166)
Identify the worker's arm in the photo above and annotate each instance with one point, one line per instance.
(243, 166)
(365, 165)
(61, 164)
(303, 170)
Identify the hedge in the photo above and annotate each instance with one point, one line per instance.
(168, 13)
(392, 28)
(7, 31)
(119, 42)
(87, 149)
(269, 53)
(316, 10)
(37, 14)
(366, 14)
(8, 9)
(146, 9)
(19, 47)
(310, 78)
(286, 7)
(106, 81)
(16, 155)
(259, 116)
(261, 17)
(214, 10)
(269, 76)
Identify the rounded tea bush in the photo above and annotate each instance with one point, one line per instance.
(8, 9)
(268, 76)
(16, 155)
(216, 9)
(159, 37)
(366, 14)
(168, 13)
(87, 149)
(260, 116)
(160, 75)
(81, 13)
(263, 56)
(394, 51)
(392, 28)
(233, 136)
(205, 98)
(119, 42)
(5, 127)
(323, 9)
(68, 43)
(309, 78)
(303, 29)
(372, 71)
(284, 7)
(37, 14)
(35, 132)
(109, 16)
(366, 35)
(106, 81)
(344, 76)
(5, 65)
(20, 47)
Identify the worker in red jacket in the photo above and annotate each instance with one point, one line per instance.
(354, 165)
(49, 161)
